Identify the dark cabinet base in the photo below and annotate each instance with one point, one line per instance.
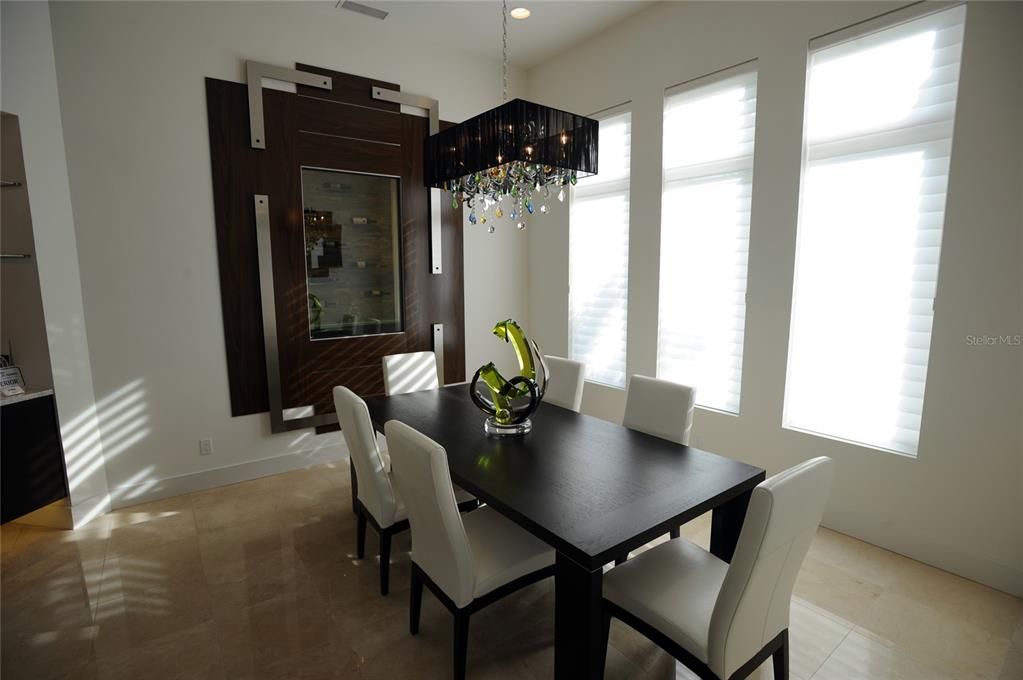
(31, 455)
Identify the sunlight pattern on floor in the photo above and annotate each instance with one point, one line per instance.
(258, 580)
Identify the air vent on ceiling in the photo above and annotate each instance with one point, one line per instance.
(362, 9)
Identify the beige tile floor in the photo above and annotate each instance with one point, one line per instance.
(258, 580)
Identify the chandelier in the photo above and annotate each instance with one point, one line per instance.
(510, 160)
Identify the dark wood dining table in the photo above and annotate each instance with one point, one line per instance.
(591, 489)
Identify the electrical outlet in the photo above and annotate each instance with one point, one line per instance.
(205, 447)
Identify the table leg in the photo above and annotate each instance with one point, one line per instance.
(726, 524)
(578, 635)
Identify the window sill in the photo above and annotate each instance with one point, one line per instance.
(716, 411)
(851, 442)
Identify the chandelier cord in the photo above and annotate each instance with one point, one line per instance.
(504, 50)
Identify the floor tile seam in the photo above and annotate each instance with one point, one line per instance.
(826, 613)
(831, 653)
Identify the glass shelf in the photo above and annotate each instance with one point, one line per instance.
(353, 256)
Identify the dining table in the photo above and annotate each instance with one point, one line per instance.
(591, 489)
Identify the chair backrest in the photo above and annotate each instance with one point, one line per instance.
(375, 490)
(410, 372)
(781, 522)
(659, 407)
(565, 388)
(439, 544)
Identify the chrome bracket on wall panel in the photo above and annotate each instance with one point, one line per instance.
(432, 108)
(254, 73)
(278, 423)
(438, 350)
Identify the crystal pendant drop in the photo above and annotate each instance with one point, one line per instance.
(520, 226)
(472, 217)
(490, 229)
(498, 212)
(454, 201)
(514, 214)
(529, 206)
(561, 195)
(543, 209)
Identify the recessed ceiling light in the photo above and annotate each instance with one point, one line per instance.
(520, 13)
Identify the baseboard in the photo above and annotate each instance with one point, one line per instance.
(89, 509)
(153, 490)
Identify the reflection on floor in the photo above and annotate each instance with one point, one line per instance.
(258, 580)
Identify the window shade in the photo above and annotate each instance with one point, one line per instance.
(879, 117)
(705, 216)
(599, 257)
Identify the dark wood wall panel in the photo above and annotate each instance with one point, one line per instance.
(235, 168)
(315, 367)
(331, 117)
(349, 89)
(437, 291)
(343, 129)
(323, 151)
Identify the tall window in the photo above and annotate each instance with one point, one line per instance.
(599, 256)
(879, 118)
(705, 213)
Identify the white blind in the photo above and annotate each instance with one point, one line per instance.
(599, 257)
(879, 119)
(705, 215)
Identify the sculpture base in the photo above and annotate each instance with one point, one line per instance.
(496, 429)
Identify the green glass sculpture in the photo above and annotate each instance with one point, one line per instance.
(509, 403)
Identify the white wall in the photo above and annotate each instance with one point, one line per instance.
(959, 504)
(133, 101)
(29, 90)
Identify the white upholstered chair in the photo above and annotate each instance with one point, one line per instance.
(375, 499)
(411, 372)
(467, 561)
(724, 620)
(659, 407)
(565, 388)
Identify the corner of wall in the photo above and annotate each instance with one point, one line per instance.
(30, 91)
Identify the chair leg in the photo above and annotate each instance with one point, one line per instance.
(415, 601)
(461, 644)
(385, 561)
(781, 659)
(676, 532)
(605, 621)
(355, 488)
(360, 536)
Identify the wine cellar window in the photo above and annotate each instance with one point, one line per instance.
(353, 262)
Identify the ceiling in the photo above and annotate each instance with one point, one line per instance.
(475, 25)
